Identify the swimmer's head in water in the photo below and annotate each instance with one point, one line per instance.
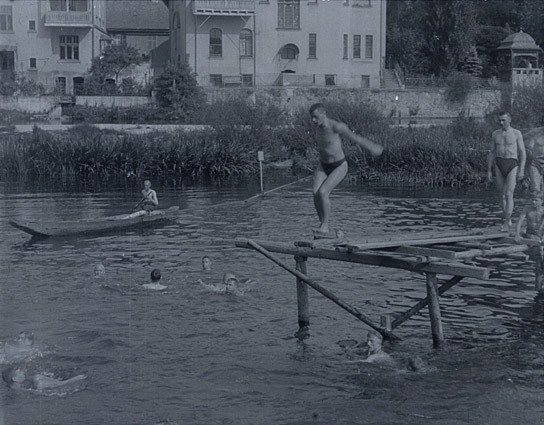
(155, 275)
(230, 281)
(206, 263)
(13, 375)
(374, 343)
(25, 338)
(99, 270)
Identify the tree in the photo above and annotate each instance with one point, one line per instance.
(449, 28)
(113, 61)
(472, 64)
(177, 88)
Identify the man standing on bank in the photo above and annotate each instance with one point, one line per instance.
(507, 157)
(332, 167)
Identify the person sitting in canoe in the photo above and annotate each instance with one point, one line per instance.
(155, 278)
(148, 203)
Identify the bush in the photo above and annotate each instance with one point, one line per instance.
(459, 85)
(177, 88)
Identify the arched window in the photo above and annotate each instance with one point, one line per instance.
(216, 42)
(246, 43)
(289, 51)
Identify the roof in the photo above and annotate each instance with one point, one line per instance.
(519, 41)
(137, 15)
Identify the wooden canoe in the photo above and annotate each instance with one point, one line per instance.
(95, 226)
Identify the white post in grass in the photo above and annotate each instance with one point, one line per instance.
(260, 156)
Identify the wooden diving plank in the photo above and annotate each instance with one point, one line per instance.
(501, 250)
(453, 269)
(529, 242)
(431, 241)
(426, 252)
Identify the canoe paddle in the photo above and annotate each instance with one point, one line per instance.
(139, 203)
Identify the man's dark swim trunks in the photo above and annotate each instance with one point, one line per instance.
(330, 167)
(505, 165)
(538, 163)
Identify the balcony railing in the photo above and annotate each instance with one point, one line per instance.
(68, 19)
(224, 7)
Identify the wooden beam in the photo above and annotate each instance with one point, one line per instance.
(325, 292)
(399, 320)
(434, 310)
(502, 250)
(524, 241)
(303, 304)
(427, 252)
(431, 241)
(474, 245)
(452, 269)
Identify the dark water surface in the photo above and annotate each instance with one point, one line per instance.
(191, 356)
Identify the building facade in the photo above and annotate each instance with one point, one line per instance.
(280, 42)
(51, 41)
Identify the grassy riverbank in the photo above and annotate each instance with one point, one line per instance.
(451, 155)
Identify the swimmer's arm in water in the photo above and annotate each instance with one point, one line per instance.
(209, 287)
(363, 142)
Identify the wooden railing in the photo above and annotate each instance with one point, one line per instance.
(61, 18)
(237, 7)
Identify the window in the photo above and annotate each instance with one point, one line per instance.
(32, 63)
(330, 79)
(365, 81)
(247, 80)
(216, 42)
(120, 39)
(216, 80)
(69, 47)
(290, 52)
(32, 26)
(7, 61)
(246, 43)
(368, 47)
(312, 46)
(289, 14)
(345, 49)
(356, 47)
(79, 85)
(152, 42)
(6, 18)
(60, 85)
(69, 5)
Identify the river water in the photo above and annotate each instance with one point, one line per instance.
(191, 356)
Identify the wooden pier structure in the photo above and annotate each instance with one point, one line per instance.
(433, 254)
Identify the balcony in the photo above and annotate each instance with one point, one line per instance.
(224, 7)
(68, 19)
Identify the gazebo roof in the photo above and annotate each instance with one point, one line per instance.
(519, 41)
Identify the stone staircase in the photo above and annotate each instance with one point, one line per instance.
(390, 80)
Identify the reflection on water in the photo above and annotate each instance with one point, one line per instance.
(196, 357)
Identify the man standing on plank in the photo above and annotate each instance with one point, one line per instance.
(534, 145)
(332, 167)
(507, 155)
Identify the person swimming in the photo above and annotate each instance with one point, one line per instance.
(16, 378)
(375, 353)
(155, 278)
(206, 263)
(21, 348)
(99, 270)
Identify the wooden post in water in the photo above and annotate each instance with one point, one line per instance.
(385, 322)
(302, 294)
(434, 310)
